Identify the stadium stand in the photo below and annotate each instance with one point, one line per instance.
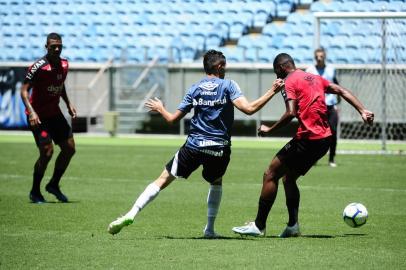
(137, 31)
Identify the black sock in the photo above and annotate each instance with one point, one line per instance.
(36, 183)
(56, 177)
(292, 203)
(264, 207)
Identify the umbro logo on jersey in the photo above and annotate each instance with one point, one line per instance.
(209, 86)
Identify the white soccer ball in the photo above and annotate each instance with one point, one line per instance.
(355, 215)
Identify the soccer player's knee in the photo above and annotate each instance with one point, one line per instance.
(216, 182)
(268, 175)
(71, 151)
(46, 152)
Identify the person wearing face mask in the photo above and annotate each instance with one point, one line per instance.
(46, 77)
(213, 99)
(328, 72)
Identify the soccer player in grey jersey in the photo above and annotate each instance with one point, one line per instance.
(208, 144)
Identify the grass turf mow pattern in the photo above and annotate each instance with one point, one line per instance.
(107, 174)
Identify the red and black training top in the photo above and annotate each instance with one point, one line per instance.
(308, 90)
(47, 82)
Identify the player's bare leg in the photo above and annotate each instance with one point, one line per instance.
(292, 195)
(147, 196)
(61, 163)
(269, 191)
(268, 195)
(45, 155)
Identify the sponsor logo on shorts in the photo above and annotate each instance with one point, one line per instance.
(212, 152)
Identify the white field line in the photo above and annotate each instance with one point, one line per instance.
(304, 187)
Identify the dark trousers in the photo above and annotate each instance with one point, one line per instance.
(332, 115)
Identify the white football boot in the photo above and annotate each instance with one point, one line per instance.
(121, 222)
(332, 164)
(249, 229)
(291, 231)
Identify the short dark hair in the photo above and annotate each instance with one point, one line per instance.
(320, 49)
(283, 58)
(54, 36)
(211, 60)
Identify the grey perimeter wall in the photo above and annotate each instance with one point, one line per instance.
(253, 80)
(382, 92)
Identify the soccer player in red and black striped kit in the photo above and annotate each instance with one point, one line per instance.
(46, 77)
(304, 99)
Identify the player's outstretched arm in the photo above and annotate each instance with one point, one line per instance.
(156, 105)
(366, 115)
(33, 118)
(285, 119)
(252, 107)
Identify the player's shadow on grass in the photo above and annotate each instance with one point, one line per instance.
(302, 236)
(53, 202)
(321, 236)
(238, 237)
(333, 236)
(353, 235)
(211, 239)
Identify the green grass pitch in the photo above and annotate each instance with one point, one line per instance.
(107, 174)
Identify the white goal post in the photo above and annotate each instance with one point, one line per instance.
(386, 78)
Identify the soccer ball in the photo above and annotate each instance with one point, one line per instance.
(355, 215)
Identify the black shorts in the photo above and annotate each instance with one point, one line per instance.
(300, 155)
(187, 160)
(54, 129)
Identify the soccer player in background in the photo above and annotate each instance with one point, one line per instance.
(46, 77)
(328, 72)
(213, 99)
(304, 99)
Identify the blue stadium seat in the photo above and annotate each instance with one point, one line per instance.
(267, 55)
(199, 24)
(237, 29)
(270, 29)
(188, 54)
(251, 54)
(213, 39)
(283, 8)
(233, 54)
(257, 41)
(261, 17)
(318, 7)
(305, 2)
